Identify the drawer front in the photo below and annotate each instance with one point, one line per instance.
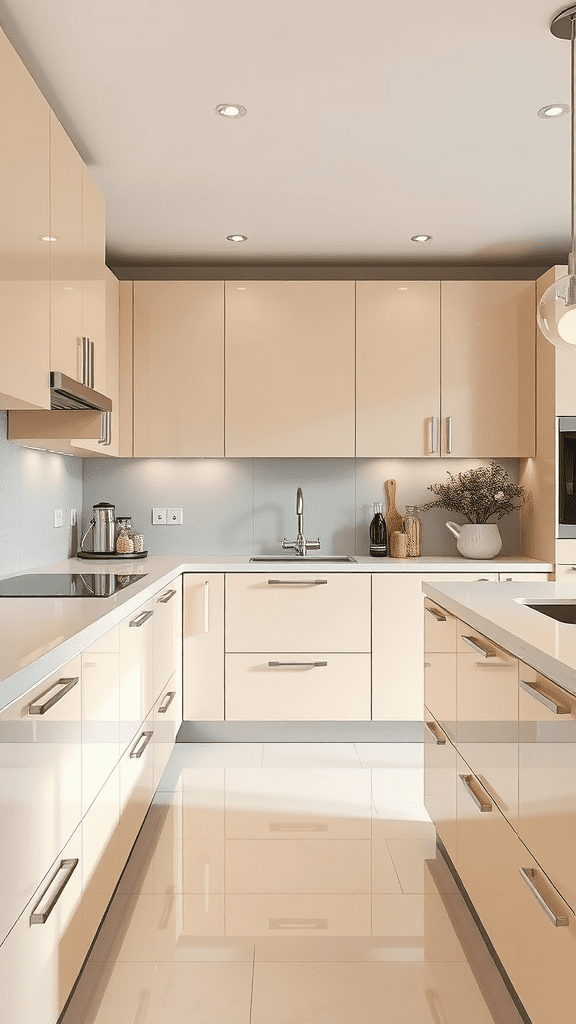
(100, 720)
(167, 721)
(523, 577)
(487, 730)
(440, 689)
(167, 634)
(281, 611)
(336, 689)
(136, 670)
(565, 574)
(40, 788)
(547, 778)
(39, 962)
(101, 856)
(203, 642)
(440, 782)
(439, 629)
(136, 785)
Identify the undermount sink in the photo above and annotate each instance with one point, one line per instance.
(562, 611)
(303, 559)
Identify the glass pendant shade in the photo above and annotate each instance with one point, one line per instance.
(557, 312)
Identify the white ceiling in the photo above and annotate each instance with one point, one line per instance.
(368, 122)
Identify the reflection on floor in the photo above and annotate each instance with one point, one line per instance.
(289, 884)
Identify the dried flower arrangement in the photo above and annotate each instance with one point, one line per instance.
(478, 494)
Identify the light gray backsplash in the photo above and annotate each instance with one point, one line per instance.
(246, 506)
(32, 484)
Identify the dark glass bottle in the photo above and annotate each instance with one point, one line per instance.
(378, 533)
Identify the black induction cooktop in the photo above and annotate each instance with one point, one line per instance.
(67, 584)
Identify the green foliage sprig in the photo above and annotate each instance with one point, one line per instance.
(478, 494)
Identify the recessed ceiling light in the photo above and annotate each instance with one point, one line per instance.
(237, 238)
(230, 110)
(421, 238)
(554, 110)
(48, 238)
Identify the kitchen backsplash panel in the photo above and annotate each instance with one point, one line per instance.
(246, 506)
(32, 484)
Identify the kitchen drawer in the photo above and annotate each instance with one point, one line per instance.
(203, 647)
(101, 856)
(167, 721)
(285, 914)
(565, 574)
(547, 777)
(298, 612)
(523, 577)
(100, 719)
(39, 962)
(167, 634)
(136, 670)
(337, 689)
(136, 785)
(439, 629)
(440, 689)
(440, 782)
(40, 789)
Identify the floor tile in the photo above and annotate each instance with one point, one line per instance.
(390, 755)
(293, 915)
(420, 867)
(398, 796)
(186, 756)
(310, 755)
(298, 866)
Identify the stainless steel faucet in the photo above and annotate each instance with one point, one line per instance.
(301, 546)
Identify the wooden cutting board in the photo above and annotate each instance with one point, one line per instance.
(393, 518)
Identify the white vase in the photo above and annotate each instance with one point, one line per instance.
(477, 540)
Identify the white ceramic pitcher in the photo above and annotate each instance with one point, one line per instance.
(477, 540)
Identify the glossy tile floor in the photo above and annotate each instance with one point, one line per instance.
(289, 884)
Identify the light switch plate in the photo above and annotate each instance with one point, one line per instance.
(58, 517)
(159, 517)
(174, 517)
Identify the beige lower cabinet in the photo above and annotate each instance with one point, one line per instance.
(102, 861)
(297, 687)
(203, 647)
(440, 690)
(100, 713)
(440, 781)
(136, 785)
(167, 635)
(565, 573)
(167, 721)
(136, 670)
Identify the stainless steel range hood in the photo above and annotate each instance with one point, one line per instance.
(67, 393)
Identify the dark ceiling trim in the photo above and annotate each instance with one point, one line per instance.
(328, 272)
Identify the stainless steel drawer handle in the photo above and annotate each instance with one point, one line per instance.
(308, 664)
(432, 435)
(486, 652)
(53, 891)
(436, 732)
(167, 597)
(528, 875)
(311, 923)
(141, 744)
(141, 619)
(166, 702)
(448, 435)
(297, 583)
(548, 702)
(482, 803)
(435, 614)
(58, 690)
(207, 606)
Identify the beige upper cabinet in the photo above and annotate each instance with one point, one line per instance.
(488, 368)
(179, 368)
(94, 274)
(109, 359)
(397, 368)
(289, 368)
(24, 219)
(66, 253)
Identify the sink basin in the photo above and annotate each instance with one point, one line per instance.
(562, 611)
(302, 559)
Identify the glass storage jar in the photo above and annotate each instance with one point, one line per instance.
(125, 535)
(413, 531)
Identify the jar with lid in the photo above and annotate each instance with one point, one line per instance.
(125, 535)
(413, 530)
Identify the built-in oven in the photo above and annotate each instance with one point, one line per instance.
(566, 514)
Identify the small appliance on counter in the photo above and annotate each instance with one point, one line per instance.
(107, 532)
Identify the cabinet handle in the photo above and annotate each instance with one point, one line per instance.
(40, 706)
(448, 435)
(435, 614)
(142, 618)
(311, 923)
(91, 364)
(106, 429)
(207, 606)
(309, 664)
(298, 583)
(548, 702)
(481, 802)
(166, 702)
(86, 361)
(146, 736)
(528, 875)
(432, 435)
(166, 597)
(486, 652)
(437, 732)
(53, 891)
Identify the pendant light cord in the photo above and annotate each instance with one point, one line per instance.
(572, 256)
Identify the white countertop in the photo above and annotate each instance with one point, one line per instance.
(498, 613)
(39, 635)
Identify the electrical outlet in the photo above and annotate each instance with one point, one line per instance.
(73, 519)
(174, 517)
(159, 517)
(58, 517)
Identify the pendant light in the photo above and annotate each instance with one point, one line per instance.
(557, 308)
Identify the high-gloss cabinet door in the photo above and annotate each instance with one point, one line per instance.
(24, 218)
(289, 369)
(179, 368)
(440, 782)
(101, 856)
(41, 957)
(167, 721)
(40, 759)
(547, 777)
(440, 690)
(167, 635)
(487, 703)
(397, 325)
(136, 785)
(440, 629)
(100, 713)
(203, 647)
(66, 254)
(136, 670)
(94, 274)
